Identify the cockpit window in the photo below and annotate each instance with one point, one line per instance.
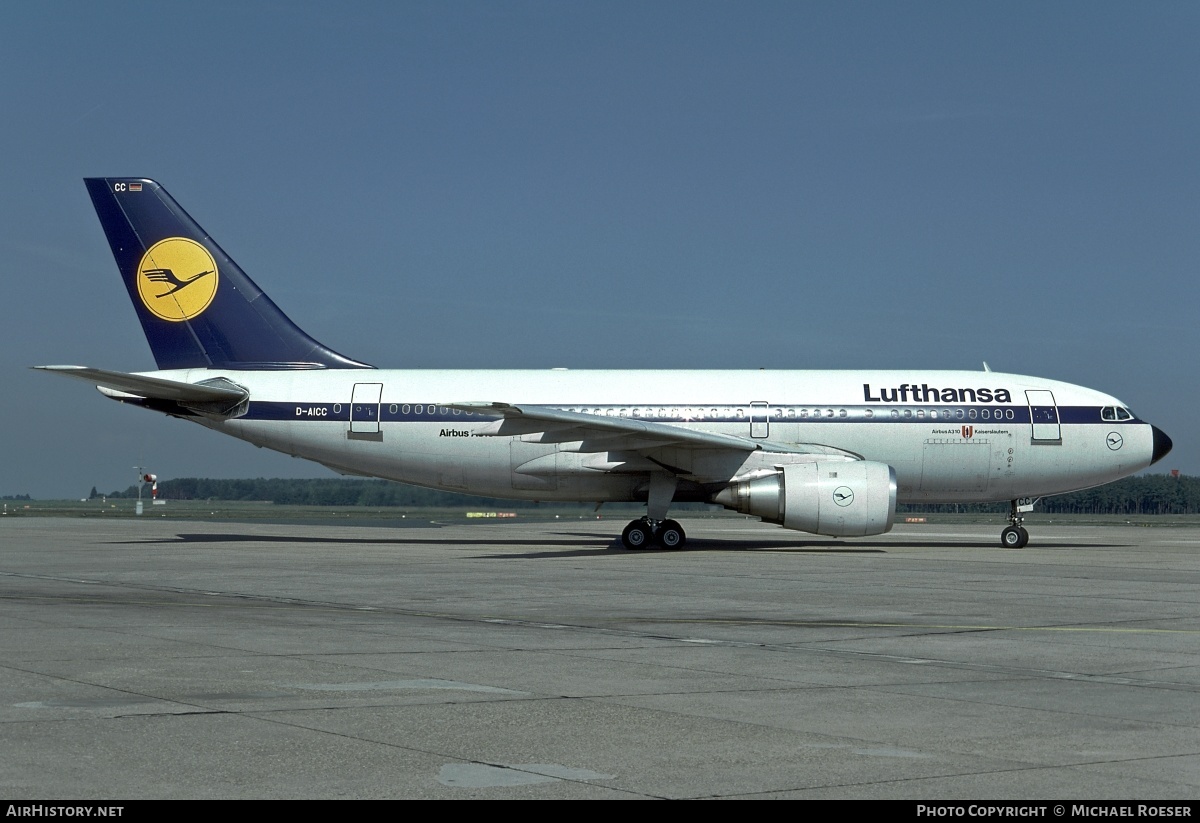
(1123, 414)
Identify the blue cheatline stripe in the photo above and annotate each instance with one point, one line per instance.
(431, 413)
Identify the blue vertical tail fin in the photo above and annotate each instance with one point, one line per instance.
(197, 307)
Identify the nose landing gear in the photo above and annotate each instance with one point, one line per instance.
(1015, 536)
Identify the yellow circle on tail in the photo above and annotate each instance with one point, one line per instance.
(177, 279)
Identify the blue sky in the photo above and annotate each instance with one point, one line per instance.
(608, 184)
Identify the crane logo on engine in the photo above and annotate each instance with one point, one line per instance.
(843, 495)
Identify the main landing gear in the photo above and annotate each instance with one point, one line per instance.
(1015, 536)
(655, 528)
(644, 533)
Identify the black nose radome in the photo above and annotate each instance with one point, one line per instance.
(1162, 444)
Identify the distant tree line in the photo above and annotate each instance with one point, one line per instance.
(318, 492)
(1148, 494)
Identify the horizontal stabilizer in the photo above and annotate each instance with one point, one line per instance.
(155, 388)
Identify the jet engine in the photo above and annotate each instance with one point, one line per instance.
(850, 499)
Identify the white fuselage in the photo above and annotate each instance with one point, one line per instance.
(951, 436)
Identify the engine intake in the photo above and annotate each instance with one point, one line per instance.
(851, 499)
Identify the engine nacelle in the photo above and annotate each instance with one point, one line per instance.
(851, 499)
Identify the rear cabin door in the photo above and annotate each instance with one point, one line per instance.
(364, 409)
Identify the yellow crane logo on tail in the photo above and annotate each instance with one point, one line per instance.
(177, 279)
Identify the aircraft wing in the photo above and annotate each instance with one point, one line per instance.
(154, 388)
(594, 433)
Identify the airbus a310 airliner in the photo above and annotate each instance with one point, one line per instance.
(824, 452)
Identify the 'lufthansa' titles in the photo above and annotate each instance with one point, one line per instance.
(924, 393)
